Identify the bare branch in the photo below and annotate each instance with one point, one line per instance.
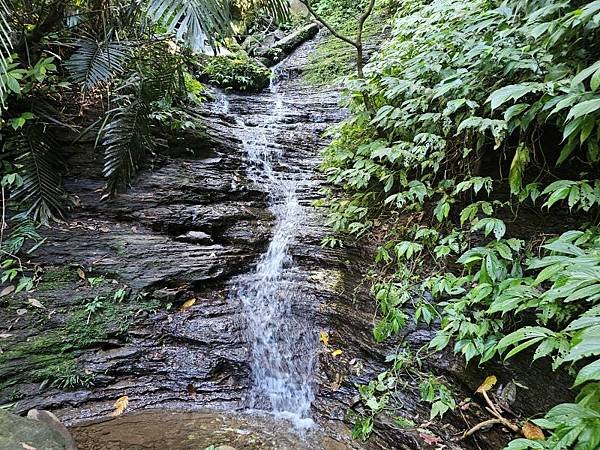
(326, 25)
(363, 18)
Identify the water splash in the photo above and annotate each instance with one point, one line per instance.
(221, 102)
(282, 344)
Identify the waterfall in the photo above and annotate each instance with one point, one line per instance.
(282, 345)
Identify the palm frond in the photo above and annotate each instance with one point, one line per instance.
(41, 192)
(277, 9)
(5, 47)
(94, 62)
(126, 138)
(196, 22)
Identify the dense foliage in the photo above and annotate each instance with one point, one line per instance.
(238, 72)
(485, 131)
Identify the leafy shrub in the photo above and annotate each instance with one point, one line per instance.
(482, 107)
(237, 72)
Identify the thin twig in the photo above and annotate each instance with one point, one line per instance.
(3, 224)
(481, 425)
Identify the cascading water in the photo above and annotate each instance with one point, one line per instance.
(282, 344)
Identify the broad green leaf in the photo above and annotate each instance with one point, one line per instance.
(511, 92)
(591, 372)
(584, 108)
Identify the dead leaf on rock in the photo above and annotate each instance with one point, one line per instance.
(5, 335)
(335, 353)
(187, 305)
(339, 379)
(27, 446)
(36, 303)
(531, 431)
(81, 273)
(21, 311)
(487, 384)
(7, 290)
(324, 337)
(120, 406)
(430, 439)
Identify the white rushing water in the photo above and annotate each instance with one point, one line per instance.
(282, 344)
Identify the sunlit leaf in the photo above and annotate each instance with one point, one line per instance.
(487, 384)
(120, 406)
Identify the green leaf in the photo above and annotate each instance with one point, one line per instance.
(595, 81)
(589, 345)
(583, 109)
(591, 372)
(585, 73)
(517, 168)
(511, 92)
(515, 110)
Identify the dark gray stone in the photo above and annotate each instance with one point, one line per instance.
(20, 433)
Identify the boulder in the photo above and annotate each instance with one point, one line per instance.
(292, 41)
(280, 49)
(27, 433)
(52, 421)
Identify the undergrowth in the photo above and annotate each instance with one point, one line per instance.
(477, 175)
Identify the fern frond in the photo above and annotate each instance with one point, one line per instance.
(41, 191)
(94, 62)
(195, 22)
(126, 138)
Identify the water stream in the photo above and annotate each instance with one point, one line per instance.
(282, 345)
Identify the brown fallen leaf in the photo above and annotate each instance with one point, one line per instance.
(531, 431)
(36, 303)
(430, 439)
(487, 384)
(339, 379)
(7, 290)
(81, 273)
(187, 305)
(335, 353)
(324, 337)
(120, 406)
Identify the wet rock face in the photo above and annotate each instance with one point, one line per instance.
(136, 292)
